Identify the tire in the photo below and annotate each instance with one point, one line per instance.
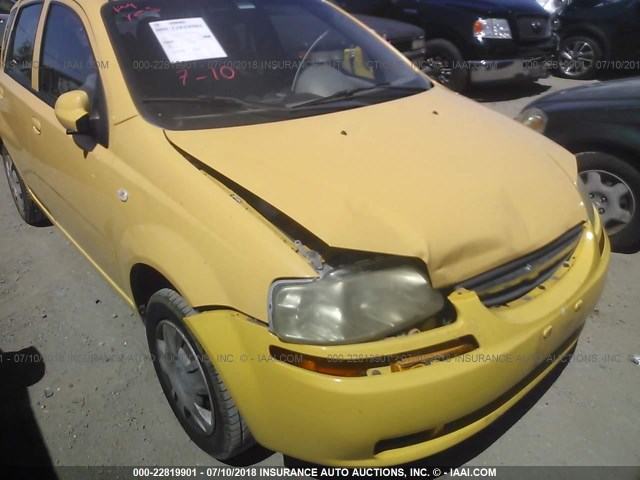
(614, 186)
(444, 63)
(190, 382)
(578, 57)
(27, 208)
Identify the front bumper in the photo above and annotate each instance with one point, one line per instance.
(398, 417)
(493, 71)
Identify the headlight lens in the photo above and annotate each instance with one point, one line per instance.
(586, 201)
(491, 28)
(358, 303)
(533, 118)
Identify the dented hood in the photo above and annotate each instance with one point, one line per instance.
(433, 175)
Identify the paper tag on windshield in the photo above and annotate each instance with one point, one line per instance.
(187, 39)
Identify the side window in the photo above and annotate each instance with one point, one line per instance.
(5, 27)
(66, 62)
(20, 54)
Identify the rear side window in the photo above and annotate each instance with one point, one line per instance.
(66, 60)
(20, 54)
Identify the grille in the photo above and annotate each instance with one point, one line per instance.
(513, 280)
(533, 28)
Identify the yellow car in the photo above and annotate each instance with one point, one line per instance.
(333, 256)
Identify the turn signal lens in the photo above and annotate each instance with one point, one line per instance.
(355, 365)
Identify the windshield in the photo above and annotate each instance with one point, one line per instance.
(209, 63)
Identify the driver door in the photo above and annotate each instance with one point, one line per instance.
(74, 171)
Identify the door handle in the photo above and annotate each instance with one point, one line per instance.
(36, 125)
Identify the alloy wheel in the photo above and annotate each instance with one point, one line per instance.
(576, 58)
(182, 370)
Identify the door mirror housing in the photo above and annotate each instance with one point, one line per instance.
(72, 111)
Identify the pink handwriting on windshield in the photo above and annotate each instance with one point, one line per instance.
(135, 14)
(224, 72)
(120, 8)
(131, 16)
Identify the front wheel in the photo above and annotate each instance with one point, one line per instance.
(444, 63)
(614, 188)
(578, 58)
(196, 393)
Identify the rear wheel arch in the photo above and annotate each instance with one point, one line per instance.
(28, 209)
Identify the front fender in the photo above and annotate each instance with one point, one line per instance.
(589, 29)
(177, 258)
(610, 138)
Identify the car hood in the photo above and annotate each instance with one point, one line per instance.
(500, 6)
(616, 91)
(433, 175)
(391, 29)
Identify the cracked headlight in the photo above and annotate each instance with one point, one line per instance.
(359, 303)
(586, 201)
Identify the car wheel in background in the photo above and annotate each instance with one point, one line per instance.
(578, 57)
(614, 188)
(196, 393)
(444, 63)
(27, 208)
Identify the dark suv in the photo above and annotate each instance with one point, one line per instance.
(598, 35)
(474, 41)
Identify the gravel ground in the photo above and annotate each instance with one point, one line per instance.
(95, 400)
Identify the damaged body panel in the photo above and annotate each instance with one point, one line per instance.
(463, 210)
(511, 356)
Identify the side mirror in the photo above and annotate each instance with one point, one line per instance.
(72, 111)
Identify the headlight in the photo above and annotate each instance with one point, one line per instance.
(491, 28)
(533, 118)
(553, 6)
(418, 44)
(586, 201)
(358, 303)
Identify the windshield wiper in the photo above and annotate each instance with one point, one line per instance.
(212, 100)
(348, 93)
